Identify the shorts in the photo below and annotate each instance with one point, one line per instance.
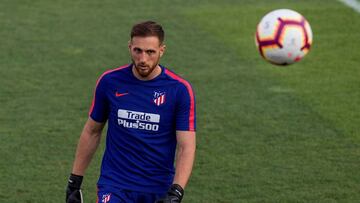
(112, 195)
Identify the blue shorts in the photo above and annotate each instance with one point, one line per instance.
(112, 195)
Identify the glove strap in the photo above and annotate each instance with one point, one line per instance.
(176, 190)
(75, 181)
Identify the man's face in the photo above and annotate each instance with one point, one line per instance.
(145, 54)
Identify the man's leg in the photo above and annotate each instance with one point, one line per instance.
(111, 195)
(140, 197)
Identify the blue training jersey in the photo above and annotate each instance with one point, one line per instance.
(143, 117)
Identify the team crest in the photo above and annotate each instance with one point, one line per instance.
(159, 98)
(106, 198)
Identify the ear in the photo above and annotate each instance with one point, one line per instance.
(129, 45)
(162, 49)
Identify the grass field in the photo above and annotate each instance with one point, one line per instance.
(265, 133)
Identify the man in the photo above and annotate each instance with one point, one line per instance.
(150, 112)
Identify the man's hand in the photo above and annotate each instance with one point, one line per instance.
(73, 191)
(174, 195)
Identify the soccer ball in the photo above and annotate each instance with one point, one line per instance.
(283, 37)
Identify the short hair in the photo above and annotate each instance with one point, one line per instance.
(147, 29)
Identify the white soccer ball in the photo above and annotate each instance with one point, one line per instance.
(283, 37)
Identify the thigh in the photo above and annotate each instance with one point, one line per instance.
(112, 195)
(109, 195)
(140, 197)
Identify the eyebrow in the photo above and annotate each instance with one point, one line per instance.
(146, 50)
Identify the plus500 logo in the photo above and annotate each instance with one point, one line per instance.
(138, 120)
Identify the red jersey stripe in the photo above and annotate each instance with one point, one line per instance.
(97, 82)
(192, 100)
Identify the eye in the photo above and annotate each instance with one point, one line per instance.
(150, 52)
(137, 50)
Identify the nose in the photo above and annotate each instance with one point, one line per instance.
(142, 57)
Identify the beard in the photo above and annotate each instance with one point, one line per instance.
(143, 69)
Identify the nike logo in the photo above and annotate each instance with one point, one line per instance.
(120, 94)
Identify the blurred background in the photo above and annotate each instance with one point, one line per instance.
(264, 133)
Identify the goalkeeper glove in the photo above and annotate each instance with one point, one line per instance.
(73, 191)
(174, 195)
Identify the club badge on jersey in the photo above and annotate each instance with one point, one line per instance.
(159, 98)
(105, 198)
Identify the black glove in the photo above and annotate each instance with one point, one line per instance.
(173, 195)
(73, 191)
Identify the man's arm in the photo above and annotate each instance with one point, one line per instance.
(185, 156)
(88, 143)
(184, 162)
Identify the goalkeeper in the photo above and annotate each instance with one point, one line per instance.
(150, 113)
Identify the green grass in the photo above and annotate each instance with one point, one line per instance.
(265, 133)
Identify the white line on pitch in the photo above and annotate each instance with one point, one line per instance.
(353, 4)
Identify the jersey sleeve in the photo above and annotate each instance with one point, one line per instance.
(99, 109)
(185, 110)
